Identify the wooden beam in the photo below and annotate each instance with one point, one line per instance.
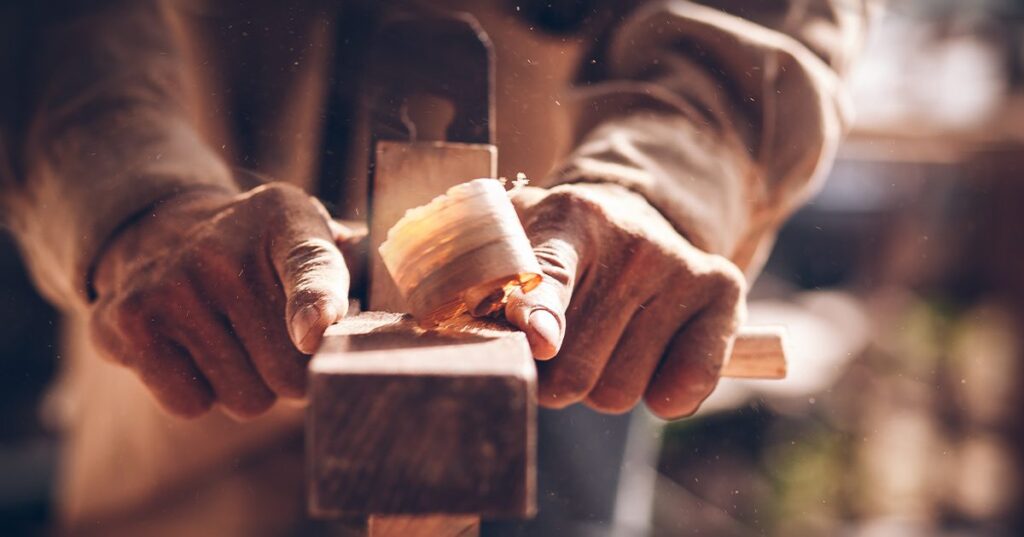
(408, 422)
(420, 432)
(759, 352)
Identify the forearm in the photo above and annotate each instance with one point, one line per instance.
(724, 124)
(109, 136)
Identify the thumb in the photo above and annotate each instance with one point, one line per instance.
(313, 274)
(352, 238)
(540, 313)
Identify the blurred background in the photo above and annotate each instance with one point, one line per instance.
(902, 284)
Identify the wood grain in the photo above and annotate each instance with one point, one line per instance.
(759, 352)
(424, 526)
(408, 421)
(404, 421)
(404, 526)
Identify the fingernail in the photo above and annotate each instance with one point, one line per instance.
(302, 322)
(544, 323)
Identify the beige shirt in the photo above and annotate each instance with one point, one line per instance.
(724, 114)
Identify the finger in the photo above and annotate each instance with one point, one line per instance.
(541, 312)
(313, 275)
(690, 369)
(166, 369)
(172, 377)
(587, 348)
(215, 349)
(257, 323)
(540, 315)
(637, 354)
(596, 322)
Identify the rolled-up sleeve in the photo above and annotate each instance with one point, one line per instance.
(107, 135)
(724, 117)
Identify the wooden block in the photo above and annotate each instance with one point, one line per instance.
(406, 526)
(408, 175)
(403, 421)
(759, 352)
(448, 455)
(429, 526)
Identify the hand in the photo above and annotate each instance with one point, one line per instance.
(214, 297)
(627, 307)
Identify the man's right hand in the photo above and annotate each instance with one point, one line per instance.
(215, 297)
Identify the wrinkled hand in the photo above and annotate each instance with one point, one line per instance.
(627, 308)
(215, 297)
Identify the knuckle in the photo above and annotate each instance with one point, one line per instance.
(564, 389)
(705, 381)
(643, 256)
(670, 413)
(612, 400)
(558, 267)
(729, 274)
(562, 207)
(173, 301)
(566, 199)
(132, 314)
(312, 253)
(281, 367)
(665, 408)
(290, 386)
(189, 407)
(726, 281)
(133, 300)
(310, 294)
(686, 392)
(277, 193)
(642, 246)
(291, 391)
(314, 269)
(249, 405)
(218, 261)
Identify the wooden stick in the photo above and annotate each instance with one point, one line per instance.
(759, 352)
(424, 526)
